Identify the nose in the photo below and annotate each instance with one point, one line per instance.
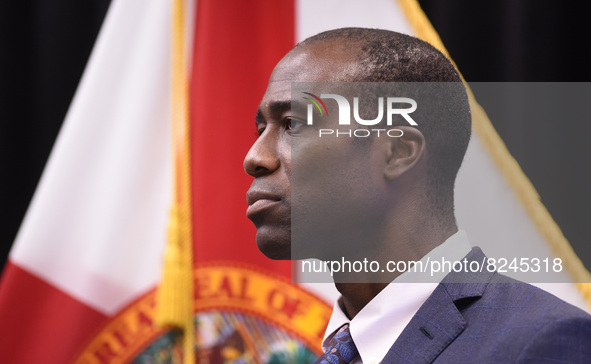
(262, 157)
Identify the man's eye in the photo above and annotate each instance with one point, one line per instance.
(260, 131)
(292, 124)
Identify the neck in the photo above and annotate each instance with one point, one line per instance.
(405, 243)
(356, 295)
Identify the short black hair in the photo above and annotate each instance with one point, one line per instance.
(387, 56)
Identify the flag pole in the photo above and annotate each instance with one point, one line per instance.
(175, 293)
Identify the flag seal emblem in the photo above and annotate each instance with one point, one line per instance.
(242, 314)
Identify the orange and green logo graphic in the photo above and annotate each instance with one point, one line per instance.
(315, 101)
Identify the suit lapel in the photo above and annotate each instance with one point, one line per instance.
(438, 322)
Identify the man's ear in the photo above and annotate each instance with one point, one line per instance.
(404, 152)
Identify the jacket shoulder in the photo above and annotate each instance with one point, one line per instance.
(517, 322)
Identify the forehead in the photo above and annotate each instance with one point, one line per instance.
(324, 61)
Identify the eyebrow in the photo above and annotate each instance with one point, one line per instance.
(275, 107)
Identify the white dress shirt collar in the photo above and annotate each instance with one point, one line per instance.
(377, 326)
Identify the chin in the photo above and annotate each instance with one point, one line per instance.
(274, 248)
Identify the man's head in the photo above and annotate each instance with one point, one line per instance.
(368, 184)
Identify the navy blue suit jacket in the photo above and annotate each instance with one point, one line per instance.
(489, 318)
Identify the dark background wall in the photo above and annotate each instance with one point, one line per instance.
(44, 46)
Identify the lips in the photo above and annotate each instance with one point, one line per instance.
(258, 201)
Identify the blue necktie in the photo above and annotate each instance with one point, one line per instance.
(340, 349)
